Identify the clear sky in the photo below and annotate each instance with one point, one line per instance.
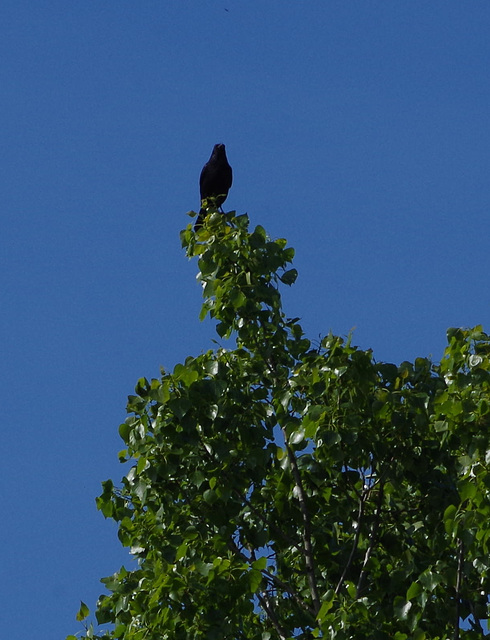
(360, 131)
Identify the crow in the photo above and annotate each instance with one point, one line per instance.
(215, 181)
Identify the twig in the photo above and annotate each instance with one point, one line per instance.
(267, 607)
(285, 587)
(459, 577)
(274, 579)
(308, 547)
(372, 540)
(360, 515)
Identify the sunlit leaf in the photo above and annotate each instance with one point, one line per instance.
(83, 612)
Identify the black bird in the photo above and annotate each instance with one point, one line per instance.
(215, 181)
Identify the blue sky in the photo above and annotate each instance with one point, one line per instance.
(360, 131)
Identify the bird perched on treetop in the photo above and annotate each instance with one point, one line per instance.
(215, 181)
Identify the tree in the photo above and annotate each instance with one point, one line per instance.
(284, 489)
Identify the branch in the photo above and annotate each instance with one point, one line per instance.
(285, 587)
(308, 547)
(360, 515)
(273, 579)
(267, 607)
(372, 540)
(270, 576)
(459, 577)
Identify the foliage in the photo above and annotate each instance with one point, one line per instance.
(287, 490)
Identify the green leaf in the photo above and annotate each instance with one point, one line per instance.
(441, 425)
(197, 478)
(467, 490)
(181, 551)
(429, 579)
(255, 580)
(297, 436)
(327, 604)
(179, 406)
(124, 431)
(210, 496)
(237, 299)
(414, 590)
(260, 564)
(449, 513)
(83, 612)
(289, 277)
(142, 465)
(331, 438)
(401, 607)
(351, 589)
